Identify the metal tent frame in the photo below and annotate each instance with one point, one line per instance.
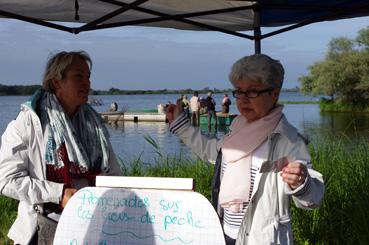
(288, 14)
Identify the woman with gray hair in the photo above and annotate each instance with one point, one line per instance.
(56, 145)
(261, 164)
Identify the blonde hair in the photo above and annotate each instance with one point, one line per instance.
(57, 65)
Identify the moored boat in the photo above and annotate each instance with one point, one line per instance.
(222, 118)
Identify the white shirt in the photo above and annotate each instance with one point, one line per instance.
(194, 103)
(232, 221)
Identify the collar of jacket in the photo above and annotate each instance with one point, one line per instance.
(286, 129)
(34, 100)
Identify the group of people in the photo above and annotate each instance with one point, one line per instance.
(59, 144)
(192, 108)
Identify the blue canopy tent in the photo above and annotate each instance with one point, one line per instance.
(230, 17)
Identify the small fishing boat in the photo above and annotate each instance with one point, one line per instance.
(222, 118)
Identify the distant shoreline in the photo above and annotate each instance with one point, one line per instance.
(11, 90)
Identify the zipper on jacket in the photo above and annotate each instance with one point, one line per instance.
(272, 144)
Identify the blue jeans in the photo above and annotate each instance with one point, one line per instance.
(210, 115)
(229, 241)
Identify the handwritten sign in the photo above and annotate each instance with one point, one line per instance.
(105, 216)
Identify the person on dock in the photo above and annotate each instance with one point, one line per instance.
(186, 105)
(195, 109)
(226, 102)
(210, 105)
(261, 164)
(113, 107)
(56, 145)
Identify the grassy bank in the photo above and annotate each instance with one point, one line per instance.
(298, 102)
(8, 213)
(326, 105)
(342, 219)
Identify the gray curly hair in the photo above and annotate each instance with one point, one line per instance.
(258, 67)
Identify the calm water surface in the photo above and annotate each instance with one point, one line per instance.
(129, 142)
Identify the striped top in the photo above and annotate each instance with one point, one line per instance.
(232, 221)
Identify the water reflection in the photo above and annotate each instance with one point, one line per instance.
(353, 127)
(129, 141)
(128, 138)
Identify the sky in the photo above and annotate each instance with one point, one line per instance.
(157, 58)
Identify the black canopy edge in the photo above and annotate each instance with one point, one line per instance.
(333, 12)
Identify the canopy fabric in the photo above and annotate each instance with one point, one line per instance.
(219, 15)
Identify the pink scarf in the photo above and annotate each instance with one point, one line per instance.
(237, 151)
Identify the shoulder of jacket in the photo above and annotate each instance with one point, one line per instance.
(285, 129)
(304, 138)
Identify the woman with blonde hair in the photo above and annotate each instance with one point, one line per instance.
(56, 145)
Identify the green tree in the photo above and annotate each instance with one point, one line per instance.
(339, 46)
(344, 73)
(363, 38)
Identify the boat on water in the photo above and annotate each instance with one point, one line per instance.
(222, 118)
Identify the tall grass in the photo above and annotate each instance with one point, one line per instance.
(327, 105)
(176, 166)
(343, 217)
(8, 212)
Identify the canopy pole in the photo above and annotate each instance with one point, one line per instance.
(257, 30)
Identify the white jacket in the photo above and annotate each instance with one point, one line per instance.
(23, 173)
(268, 218)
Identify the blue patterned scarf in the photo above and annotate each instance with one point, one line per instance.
(85, 139)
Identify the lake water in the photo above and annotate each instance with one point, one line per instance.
(129, 139)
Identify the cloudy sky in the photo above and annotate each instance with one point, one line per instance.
(157, 58)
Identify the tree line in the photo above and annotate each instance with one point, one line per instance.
(18, 89)
(343, 75)
(30, 89)
(116, 91)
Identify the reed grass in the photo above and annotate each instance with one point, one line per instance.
(343, 217)
(8, 212)
(327, 105)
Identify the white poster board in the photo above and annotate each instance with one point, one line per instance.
(105, 216)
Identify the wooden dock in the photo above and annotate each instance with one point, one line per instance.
(118, 117)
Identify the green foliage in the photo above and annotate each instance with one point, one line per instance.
(363, 38)
(343, 217)
(329, 105)
(339, 46)
(344, 74)
(173, 166)
(30, 89)
(289, 102)
(177, 167)
(8, 214)
(115, 91)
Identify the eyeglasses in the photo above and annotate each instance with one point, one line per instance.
(250, 94)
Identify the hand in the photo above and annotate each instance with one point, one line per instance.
(173, 111)
(67, 194)
(294, 174)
